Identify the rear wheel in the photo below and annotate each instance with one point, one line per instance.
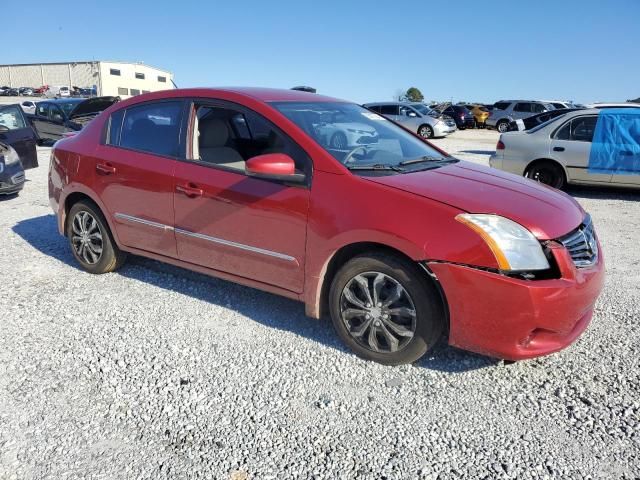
(384, 309)
(91, 241)
(502, 126)
(547, 172)
(425, 131)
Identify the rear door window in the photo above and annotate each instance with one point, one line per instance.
(538, 108)
(524, 107)
(389, 109)
(582, 128)
(152, 127)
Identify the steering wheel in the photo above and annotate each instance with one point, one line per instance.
(348, 156)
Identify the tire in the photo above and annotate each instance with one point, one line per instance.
(339, 141)
(418, 319)
(547, 172)
(502, 126)
(426, 131)
(91, 240)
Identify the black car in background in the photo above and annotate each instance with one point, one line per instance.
(53, 118)
(17, 149)
(11, 170)
(16, 131)
(460, 114)
(535, 120)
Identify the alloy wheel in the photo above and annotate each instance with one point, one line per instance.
(425, 132)
(86, 237)
(378, 312)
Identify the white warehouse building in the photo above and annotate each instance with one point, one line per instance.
(124, 79)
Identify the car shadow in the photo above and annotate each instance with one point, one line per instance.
(270, 310)
(479, 152)
(11, 196)
(603, 192)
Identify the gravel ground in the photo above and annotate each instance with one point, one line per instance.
(155, 372)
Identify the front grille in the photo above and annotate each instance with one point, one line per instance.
(582, 244)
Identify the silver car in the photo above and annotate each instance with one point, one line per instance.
(507, 111)
(560, 151)
(416, 117)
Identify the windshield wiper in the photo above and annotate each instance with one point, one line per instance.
(376, 166)
(424, 159)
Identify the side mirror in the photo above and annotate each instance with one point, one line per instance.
(4, 129)
(57, 118)
(274, 166)
(413, 114)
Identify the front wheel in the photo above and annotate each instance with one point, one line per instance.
(91, 241)
(425, 131)
(385, 309)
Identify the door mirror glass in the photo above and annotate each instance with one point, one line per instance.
(4, 129)
(57, 117)
(274, 166)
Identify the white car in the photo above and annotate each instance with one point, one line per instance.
(58, 92)
(28, 107)
(614, 105)
(345, 135)
(564, 150)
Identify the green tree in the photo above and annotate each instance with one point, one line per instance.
(414, 95)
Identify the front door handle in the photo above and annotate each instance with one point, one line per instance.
(190, 190)
(558, 149)
(106, 168)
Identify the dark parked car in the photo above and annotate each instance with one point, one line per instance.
(539, 119)
(460, 114)
(16, 131)
(11, 170)
(54, 118)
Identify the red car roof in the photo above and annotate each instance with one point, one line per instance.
(259, 94)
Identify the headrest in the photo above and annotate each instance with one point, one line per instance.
(213, 133)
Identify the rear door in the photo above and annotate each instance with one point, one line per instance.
(16, 131)
(521, 110)
(134, 173)
(571, 146)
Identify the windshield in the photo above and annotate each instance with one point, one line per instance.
(358, 137)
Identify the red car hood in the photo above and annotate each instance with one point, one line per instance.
(546, 212)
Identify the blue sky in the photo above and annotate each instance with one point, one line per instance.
(479, 50)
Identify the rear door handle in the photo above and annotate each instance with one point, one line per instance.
(191, 190)
(106, 168)
(558, 149)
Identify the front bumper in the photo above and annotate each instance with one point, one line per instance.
(442, 129)
(11, 179)
(516, 319)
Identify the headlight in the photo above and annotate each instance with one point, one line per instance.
(515, 247)
(11, 157)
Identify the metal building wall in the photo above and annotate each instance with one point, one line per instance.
(82, 74)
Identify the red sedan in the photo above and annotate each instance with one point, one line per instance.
(325, 202)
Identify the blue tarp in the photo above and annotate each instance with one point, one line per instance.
(616, 142)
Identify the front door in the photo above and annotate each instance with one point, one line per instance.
(230, 222)
(15, 131)
(571, 146)
(134, 174)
